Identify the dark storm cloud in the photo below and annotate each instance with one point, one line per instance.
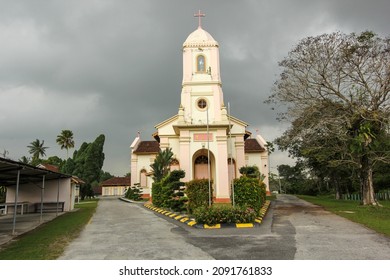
(114, 67)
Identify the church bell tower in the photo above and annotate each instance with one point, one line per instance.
(202, 85)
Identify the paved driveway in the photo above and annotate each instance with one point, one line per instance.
(292, 229)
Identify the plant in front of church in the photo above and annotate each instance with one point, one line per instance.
(168, 193)
(172, 191)
(218, 214)
(251, 171)
(161, 164)
(134, 192)
(249, 192)
(157, 199)
(197, 192)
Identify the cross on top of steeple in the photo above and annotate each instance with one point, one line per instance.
(199, 15)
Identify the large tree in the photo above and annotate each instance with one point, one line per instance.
(87, 164)
(336, 88)
(65, 140)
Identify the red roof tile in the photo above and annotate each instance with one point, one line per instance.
(252, 146)
(50, 167)
(147, 147)
(116, 181)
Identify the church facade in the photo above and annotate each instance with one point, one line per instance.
(206, 140)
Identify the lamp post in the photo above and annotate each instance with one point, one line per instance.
(208, 154)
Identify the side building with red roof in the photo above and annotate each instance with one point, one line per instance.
(115, 186)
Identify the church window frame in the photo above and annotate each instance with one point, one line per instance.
(143, 180)
(202, 104)
(201, 63)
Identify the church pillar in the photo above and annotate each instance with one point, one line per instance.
(134, 170)
(240, 153)
(222, 180)
(185, 159)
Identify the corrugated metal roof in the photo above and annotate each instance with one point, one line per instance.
(28, 173)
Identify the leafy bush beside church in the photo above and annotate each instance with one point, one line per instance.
(197, 192)
(169, 193)
(249, 192)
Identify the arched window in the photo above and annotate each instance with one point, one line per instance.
(174, 165)
(200, 63)
(143, 182)
(201, 167)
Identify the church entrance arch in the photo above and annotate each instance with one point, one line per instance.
(201, 164)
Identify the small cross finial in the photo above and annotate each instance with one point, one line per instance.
(199, 15)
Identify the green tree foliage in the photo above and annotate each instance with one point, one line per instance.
(25, 160)
(65, 140)
(134, 193)
(168, 193)
(37, 150)
(251, 172)
(224, 214)
(161, 164)
(157, 198)
(172, 191)
(249, 192)
(54, 160)
(87, 164)
(336, 88)
(104, 175)
(197, 192)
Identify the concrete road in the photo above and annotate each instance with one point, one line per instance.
(292, 229)
(120, 230)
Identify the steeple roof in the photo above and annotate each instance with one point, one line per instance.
(200, 38)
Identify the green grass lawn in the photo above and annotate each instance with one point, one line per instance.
(48, 241)
(376, 218)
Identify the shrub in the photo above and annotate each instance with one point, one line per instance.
(197, 192)
(249, 192)
(168, 193)
(172, 191)
(156, 194)
(224, 214)
(134, 192)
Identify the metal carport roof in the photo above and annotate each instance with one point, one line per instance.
(28, 173)
(14, 174)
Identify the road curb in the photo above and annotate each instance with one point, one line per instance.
(192, 223)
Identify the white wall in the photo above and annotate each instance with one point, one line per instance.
(32, 193)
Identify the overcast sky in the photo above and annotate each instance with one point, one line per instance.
(115, 66)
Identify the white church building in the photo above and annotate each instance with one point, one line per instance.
(205, 139)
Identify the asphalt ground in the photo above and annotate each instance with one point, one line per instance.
(292, 229)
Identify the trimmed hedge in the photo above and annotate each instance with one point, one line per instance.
(168, 193)
(249, 192)
(134, 192)
(157, 200)
(224, 214)
(197, 192)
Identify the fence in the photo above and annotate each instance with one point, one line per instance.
(358, 196)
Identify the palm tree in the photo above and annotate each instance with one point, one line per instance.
(161, 164)
(37, 149)
(65, 140)
(25, 160)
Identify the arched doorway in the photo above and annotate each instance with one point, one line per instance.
(201, 167)
(201, 163)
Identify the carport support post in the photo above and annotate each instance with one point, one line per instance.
(16, 202)
(42, 191)
(58, 195)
